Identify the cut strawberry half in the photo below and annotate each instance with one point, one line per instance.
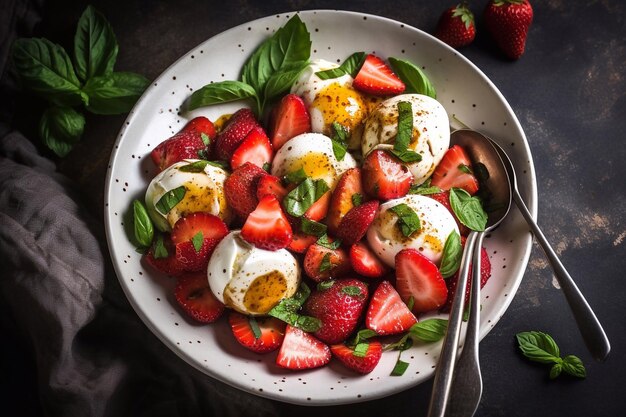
(255, 148)
(419, 279)
(321, 263)
(454, 170)
(200, 125)
(183, 145)
(196, 236)
(290, 118)
(375, 77)
(319, 208)
(301, 242)
(168, 264)
(387, 313)
(194, 295)
(355, 223)
(267, 226)
(240, 189)
(300, 350)
(363, 364)
(271, 185)
(365, 262)
(271, 332)
(234, 132)
(384, 177)
(342, 199)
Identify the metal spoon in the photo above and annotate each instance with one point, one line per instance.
(465, 390)
(588, 324)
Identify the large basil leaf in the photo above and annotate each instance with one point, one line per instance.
(95, 46)
(115, 93)
(413, 77)
(46, 69)
(220, 92)
(60, 128)
(280, 82)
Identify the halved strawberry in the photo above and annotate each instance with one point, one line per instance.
(200, 125)
(355, 223)
(454, 170)
(194, 295)
(272, 332)
(365, 262)
(376, 78)
(183, 145)
(234, 132)
(338, 307)
(322, 263)
(301, 242)
(341, 200)
(418, 278)
(267, 226)
(452, 282)
(319, 208)
(196, 236)
(384, 177)
(255, 148)
(444, 199)
(240, 189)
(300, 350)
(168, 264)
(271, 185)
(290, 118)
(387, 313)
(361, 364)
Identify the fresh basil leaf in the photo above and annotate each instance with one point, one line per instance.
(338, 140)
(330, 73)
(298, 200)
(197, 240)
(115, 93)
(254, 326)
(287, 311)
(61, 128)
(424, 189)
(357, 199)
(574, 366)
(296, 177)
(538, 347)
(159, 250)
(400, 367)
(170, 199)
(312, 228)
(142, 225)
(468, 209)
(360, 350)
(280, 82)
(362, 335)
(413, 77)
(220, 92)
(430, 330)
(351, 66)
(465, 169)
(326, 264)
(339, 149)
(46, 69)
(556, 369)
(325, 242)
(95, 46)
(410, 303)
(324, 285)
(219, 164)
(205, 139)
(196, 166)
(408, 220)
(452, 253)
(405, 126)
(408, 156)
(352, 290)
(320, 188)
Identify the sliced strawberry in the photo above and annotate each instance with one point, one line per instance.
(271, 185)
(300, 350)
(384, 177)
(301, 242)
(234, 132)
(255, 148)
(290, 118)
(183, 145)
(267, 226)
(452, 282)
(444, 199)
(418, 278)
(361, 364)
(319, 209)
(240, 189)
(355, 223)
(322, 263)
(272, 332)
(196, 236)
(194, 295)
(365, 262)
(338, 307)
(169, 264)
(200, 125)
(387, 313)
(454, 170)
(376, 78)
(341, 200)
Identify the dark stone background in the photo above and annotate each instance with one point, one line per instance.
(569, 93)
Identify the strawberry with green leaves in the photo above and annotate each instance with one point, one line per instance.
(456, 26)
(508, 22)
(258, 334)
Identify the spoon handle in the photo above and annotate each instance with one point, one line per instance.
(588, 324)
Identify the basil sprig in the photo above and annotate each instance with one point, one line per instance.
(350, 66)
(142, 225)
(287, 310)
(468, 209)
(405, 133)
(413, 77)
(428, 331)
(267, 74)
(452, 253)
(541, 347)
(47, 70)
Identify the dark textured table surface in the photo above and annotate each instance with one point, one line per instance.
(568, 91)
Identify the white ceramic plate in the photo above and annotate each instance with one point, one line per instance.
(464, 91)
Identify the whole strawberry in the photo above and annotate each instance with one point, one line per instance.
(508, 22)
(456, 26)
